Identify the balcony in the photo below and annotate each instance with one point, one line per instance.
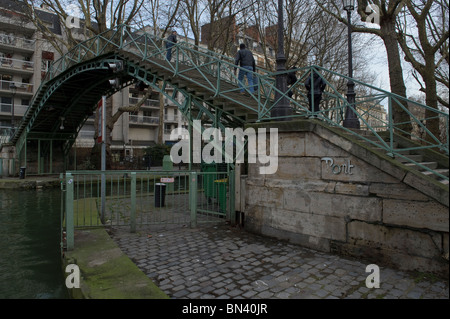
(11, 42)
(16, 66)
(144, 120)
(22, 88)
(19, 110)
(86, 135)
(148, 103)
(171, 118)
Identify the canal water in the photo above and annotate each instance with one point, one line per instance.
(30, 260)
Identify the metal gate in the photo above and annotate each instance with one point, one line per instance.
(137, 198)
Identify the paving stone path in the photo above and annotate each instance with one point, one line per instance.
(219, 261)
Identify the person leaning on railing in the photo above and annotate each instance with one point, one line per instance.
(291, 80)
(315, 86)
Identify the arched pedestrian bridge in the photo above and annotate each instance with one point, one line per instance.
(208, 82)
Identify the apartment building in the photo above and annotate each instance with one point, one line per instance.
(24, 60)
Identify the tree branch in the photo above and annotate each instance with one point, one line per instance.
(123, 109)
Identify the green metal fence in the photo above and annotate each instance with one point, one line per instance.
(138, 198)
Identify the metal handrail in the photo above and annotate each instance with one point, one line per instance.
(216, 73)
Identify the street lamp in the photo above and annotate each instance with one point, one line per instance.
(13, 89)
(350, 121)
(282, 107)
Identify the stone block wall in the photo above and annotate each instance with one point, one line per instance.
(335, 195)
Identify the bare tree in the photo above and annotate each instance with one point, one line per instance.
(192, 11)
(158, 17)
(222, 20)
(386, 13)
(422, 39)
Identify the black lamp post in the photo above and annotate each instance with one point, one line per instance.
(351, 120)
(13, 89)
(282, 107)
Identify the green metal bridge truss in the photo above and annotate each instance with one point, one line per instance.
(208, 81)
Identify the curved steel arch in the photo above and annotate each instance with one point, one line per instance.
(90, 92)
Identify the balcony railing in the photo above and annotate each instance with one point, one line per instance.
(21, 87)
(12, 40)
(86, 134)
(171, 118)
(16, 64)
(137, 119)
(19, 110)
(148, 102)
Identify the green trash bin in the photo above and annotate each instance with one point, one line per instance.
(160, 194)
(168, 166)
(222, 192)
(208, 180)
(167, 163)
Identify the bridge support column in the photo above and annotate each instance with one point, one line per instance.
(8, 160)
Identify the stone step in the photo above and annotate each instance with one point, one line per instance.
(382, 150)
(430, 165)
(413, 157)
(442, 171)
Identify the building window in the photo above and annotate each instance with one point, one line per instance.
(47, 59)
(6, 103)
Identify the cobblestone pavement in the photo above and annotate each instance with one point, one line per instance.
(219, 261)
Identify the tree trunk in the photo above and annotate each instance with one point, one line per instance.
(397, 83)
(161, 115)
(431, 99)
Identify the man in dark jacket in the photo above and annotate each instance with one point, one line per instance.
(244, 58)
(171, 40)
(315, 86)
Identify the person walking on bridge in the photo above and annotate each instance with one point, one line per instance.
(244, 58)
(171, 40)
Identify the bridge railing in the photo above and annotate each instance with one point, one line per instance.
(374, 109)
(216, 73)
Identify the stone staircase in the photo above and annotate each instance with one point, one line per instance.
(425, 161)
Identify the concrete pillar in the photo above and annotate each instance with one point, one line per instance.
(7, 154)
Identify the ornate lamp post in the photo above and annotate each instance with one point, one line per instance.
(351, 120)
(282, 107)
(13, 89)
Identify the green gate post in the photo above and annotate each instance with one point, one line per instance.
(69, 212)
(61, 226)
(232, 179)
(193, 198)
(133, 203)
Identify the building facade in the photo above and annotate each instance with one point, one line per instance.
(25, 57)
